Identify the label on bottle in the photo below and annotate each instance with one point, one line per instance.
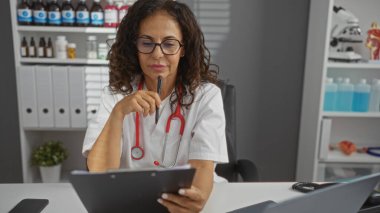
(24, 15)
(110, 16)
(32, 52)
(23, 52)
(54, 17)
(49, 52)
(40, 52)
(83, 17)
(68, 16)
(97, 18)
(40, 16)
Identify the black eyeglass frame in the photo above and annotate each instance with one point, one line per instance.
(159, 44)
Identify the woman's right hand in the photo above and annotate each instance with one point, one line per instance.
(142, 101)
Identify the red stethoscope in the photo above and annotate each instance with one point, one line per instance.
(137, 151)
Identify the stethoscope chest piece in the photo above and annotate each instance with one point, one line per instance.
(137, 153)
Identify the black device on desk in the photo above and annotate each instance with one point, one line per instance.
(30, 205)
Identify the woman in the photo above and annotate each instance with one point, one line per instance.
(160, 39)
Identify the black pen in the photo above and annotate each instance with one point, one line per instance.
(159, 81)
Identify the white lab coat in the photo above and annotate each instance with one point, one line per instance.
(203, 138)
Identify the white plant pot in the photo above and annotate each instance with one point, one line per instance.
(51, 174)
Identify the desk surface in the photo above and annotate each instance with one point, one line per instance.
(224, 197)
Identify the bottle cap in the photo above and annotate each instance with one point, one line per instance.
(329, 80)
(346, 80)
(91, 38)
(61, 37)
(111, 36)
(363, 81)
(102, 45)
(71, 45)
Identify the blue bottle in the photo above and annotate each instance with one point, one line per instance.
(345, 96)
(331, 89)
(361, 96)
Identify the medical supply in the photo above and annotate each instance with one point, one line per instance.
(82, 14)
(61, 47)
(361, 96)
(123, 9)
(102, 51)
(110, 14)
(68, 16)
(32, 48)
(54, 13)
(137, 151)
(71, 50)
(344, 96)
(92, 47)
(49, 49)
(24, 48)
(331, 89)
(24, 13)
(39, 13)
(41, 52)
(374, 102)
(97, 14)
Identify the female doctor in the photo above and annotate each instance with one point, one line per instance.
(160, 39)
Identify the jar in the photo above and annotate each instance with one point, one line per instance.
(60, 47)
(91, 47)
(102, 51)
(71, 50)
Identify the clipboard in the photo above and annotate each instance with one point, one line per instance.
(129, 190)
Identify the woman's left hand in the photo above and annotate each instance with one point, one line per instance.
(188, 200)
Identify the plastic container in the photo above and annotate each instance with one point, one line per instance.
(61, 47)
(102, 51)
(123, 7)
(331, 89)
(92, 52)
(361, 96)
(39, 13)
(110, 14)
(68, 13)
(345, 96)
(82, 14)
(24, 13)
(71, 50)
(374, 101)
(54, 13)
(97, 14)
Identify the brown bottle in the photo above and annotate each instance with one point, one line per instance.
(54, 14)
(97, 14)
(39, 13)
(82, 15)
(24, 48)
(68, 13)
(49, 49)
(42, 48)
(32, 49)
(24, 13)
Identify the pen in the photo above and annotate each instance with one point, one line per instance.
(159, 81)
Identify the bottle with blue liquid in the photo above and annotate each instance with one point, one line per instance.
(331, 89)
(345, 96)
(374, 101)
(361, 96)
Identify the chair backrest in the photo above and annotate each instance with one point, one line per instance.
(228, 170)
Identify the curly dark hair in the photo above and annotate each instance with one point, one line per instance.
(194, 66)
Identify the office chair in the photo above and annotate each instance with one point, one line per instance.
(245, 168)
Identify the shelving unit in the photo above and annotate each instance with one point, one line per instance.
(72, 136)
(319, 129)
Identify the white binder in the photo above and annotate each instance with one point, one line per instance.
(61, 96)
(44, 96)
(77, 97)
(28, 101)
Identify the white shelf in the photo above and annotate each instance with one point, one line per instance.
(352, 114)
(64, 61)
(64, 29)
(339, 157)
(353, 65)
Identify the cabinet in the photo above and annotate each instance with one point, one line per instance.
(56, 97)
(319, 129)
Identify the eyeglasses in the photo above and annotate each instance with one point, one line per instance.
(168, 46)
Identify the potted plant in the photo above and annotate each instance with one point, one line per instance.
(49, 157)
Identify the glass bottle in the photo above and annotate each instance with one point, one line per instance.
(32, 48)
(49, 49)
(97, 14)
(68, 13)
(92, 47)
(39, 13)
(24, 48)
(41, 48)
(24, 13)
(82, 14)
(54, 14)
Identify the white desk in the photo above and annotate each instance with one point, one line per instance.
(224, 197)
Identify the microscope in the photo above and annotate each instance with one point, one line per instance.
(345, 33)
